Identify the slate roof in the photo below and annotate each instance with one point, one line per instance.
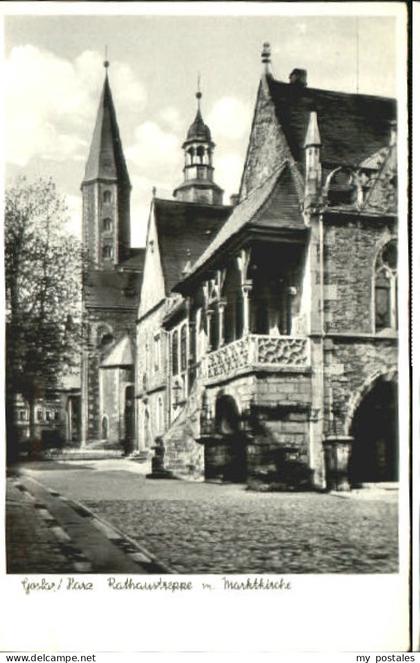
(106, 158)
(135, 260)
(184, 231)
(274, 204)
(117, 288)
(352, 126)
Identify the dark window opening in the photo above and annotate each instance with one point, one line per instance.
(184, 348)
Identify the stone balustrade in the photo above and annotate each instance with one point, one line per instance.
(257, 351)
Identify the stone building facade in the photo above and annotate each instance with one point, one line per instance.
(179, 230)
(253, 342)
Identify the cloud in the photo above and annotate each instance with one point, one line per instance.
(229, 118)
(51, 102)
(153, 146)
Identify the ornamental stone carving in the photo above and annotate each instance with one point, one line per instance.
(281, 351)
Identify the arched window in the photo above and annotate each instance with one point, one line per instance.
(184, 348)
(386, 288)
(105, 337)
(107, 224)
(107, 251)
(175, 353)
(107, 196)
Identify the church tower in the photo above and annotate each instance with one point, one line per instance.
(198, 185)
(106, 190)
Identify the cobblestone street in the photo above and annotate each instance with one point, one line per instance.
(207, 528)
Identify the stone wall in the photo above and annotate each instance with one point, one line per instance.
(118, 323)
(352, 366)
(275, 413)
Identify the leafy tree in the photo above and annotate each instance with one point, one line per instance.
(43, 293)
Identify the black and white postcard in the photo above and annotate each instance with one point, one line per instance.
(207, 404)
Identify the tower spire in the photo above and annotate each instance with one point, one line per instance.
(198, 94)
(106, 189)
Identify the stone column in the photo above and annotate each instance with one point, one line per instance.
(197, 333)
(291, 294)
(246, 289)
(221, 305)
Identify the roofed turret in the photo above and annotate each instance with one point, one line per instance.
(198, 185)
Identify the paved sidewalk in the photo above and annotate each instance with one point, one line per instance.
(32, 546)
(48, 533)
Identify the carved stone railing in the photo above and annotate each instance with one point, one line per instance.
(281, 350)
(258, 351)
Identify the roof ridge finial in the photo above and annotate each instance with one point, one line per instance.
(106, 61)
(198, 94)
(266, 58)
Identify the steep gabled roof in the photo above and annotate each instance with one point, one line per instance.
(106, 158)
(115, 289)
(274, 204)
(184, 231)
(352, 126)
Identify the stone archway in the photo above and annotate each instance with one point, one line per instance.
(225, 453)
(374, 428)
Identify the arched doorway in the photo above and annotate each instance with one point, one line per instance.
(225, 455)
(374, 456)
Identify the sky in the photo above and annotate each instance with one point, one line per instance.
(54, 74)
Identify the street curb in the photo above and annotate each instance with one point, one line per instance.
(132, 549)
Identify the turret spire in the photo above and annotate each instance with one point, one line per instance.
(313, 167)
